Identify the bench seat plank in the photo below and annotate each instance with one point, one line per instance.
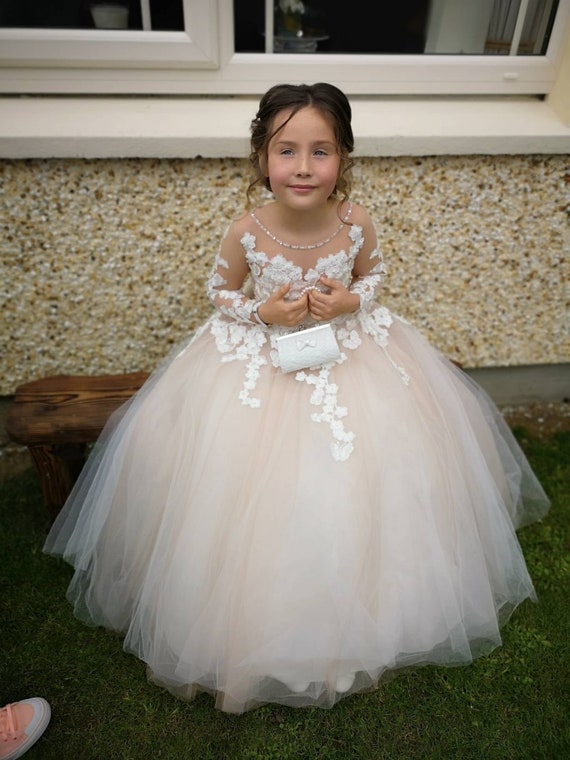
(67, 408)
(56, 417)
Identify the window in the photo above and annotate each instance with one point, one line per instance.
(407, 27)
(95, 35)
(77, 14)
(209, 47)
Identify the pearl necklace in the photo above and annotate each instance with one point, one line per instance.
(300, 247)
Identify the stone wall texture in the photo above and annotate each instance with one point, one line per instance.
(104, 262)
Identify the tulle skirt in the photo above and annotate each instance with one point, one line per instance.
(241, 557)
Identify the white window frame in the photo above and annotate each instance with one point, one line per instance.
(202, 61)
(196, 46)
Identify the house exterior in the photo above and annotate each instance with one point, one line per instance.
(113, 204)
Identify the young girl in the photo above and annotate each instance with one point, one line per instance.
(291, 537)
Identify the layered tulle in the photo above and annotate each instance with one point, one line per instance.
(240, 557)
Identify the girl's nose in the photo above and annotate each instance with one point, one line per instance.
(303, 165)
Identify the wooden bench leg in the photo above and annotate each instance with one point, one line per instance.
(57, 468)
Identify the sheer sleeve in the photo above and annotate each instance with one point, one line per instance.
(225, 286)
(368, 285)
(369, 270)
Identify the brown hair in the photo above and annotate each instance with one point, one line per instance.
(328, 99)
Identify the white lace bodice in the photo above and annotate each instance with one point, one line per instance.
(271, 272)
(239, 338)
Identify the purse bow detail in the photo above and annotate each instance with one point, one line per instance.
(306, 343)
(312, 347)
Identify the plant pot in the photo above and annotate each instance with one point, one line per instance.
(110, 15)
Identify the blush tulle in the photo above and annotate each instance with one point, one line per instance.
(239, 558)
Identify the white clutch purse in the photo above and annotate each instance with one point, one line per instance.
(307, 348)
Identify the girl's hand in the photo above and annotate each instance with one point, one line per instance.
(339, 300)
(277, 311)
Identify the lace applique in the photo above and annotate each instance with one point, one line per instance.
(325, 395)
(337, 266)
(348, 336)
(272, 272)
(238, 342)
(232, 303)
(239, 339)
(366, 286)
(376, 324)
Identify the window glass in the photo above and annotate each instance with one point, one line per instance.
(158, 15)
(437, 27)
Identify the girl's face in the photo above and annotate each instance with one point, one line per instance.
(302, 159)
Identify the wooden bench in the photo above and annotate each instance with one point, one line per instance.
(57, 417)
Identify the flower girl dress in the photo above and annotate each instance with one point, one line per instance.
(292, 538)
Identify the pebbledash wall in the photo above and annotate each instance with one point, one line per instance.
(104, 261)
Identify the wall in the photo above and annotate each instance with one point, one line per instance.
(104, 261)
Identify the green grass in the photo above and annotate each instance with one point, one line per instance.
(512, 704)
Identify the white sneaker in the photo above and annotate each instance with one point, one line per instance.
(343, 683)
(297, 685)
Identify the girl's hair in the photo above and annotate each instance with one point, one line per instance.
(329, 100)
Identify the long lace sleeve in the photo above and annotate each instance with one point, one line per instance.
(225, 286)
(368, 277)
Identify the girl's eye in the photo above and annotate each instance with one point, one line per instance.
(320, 152)
(286, 152)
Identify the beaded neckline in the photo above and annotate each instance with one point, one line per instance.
(294, 247)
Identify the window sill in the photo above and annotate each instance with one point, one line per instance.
(214, 127)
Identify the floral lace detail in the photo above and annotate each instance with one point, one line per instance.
(348, 336)
(367, 285)
(237, 338)
(376, 324)
(238, 342)
(270, 273)
(325, 395)
(232, 303)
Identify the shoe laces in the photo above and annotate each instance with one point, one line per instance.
(7, 724)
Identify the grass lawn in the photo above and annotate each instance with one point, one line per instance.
(511, 705)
